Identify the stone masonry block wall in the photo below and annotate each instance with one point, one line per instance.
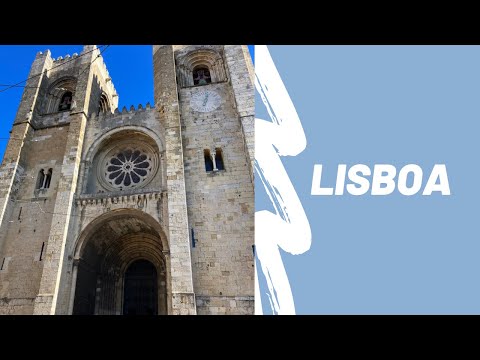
(225, 305)
(220, 205)
(27, 229)
(240, 67)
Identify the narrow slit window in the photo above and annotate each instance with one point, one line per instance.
(208, 160)
(41, 251)
(219, 159)
(48, 178)
(20, 213)
(41, 179)
(3, 263)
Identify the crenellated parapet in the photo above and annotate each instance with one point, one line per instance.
(102, 67)
(62, 59)
(131, 111)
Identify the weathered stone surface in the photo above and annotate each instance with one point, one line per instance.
(68, 246)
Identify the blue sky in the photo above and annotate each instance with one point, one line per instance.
(130, 67)
(394, 105)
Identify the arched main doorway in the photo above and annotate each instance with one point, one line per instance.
(121, 268)
(140, 289)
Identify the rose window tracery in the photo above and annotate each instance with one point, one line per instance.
(127, 165)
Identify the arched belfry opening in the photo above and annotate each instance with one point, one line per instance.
(120, 266)
(201, 76)
(103, 104)
(65, 101)
(200, 67)
(60, 96)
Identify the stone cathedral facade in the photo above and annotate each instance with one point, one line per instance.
(146, 210)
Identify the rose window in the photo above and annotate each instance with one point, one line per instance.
(127, 166)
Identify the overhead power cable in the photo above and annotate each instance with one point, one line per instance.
(53, 67)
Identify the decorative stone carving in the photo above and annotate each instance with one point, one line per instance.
(126, 165)
(200, 58)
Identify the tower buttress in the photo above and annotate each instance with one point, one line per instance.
(11, 169)
(167, 104)
(214, 135)
(46, 300)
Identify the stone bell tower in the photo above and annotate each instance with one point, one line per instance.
(147, 210)
(39, 175)
(204, 95)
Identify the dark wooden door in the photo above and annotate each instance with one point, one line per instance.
(140, 289)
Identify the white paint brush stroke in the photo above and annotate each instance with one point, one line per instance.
(288, 228)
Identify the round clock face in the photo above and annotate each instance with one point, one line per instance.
(205, 101)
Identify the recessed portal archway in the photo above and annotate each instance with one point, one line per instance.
(140, 289)
(120, 266)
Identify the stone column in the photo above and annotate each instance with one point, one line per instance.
(167, 104)
(73, 286)
(212, 155)
(241, 74)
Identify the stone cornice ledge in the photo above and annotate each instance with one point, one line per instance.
(119, 197)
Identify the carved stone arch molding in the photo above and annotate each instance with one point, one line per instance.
(102, 257)
(208, 57)
(55, 93)
(123, 159)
